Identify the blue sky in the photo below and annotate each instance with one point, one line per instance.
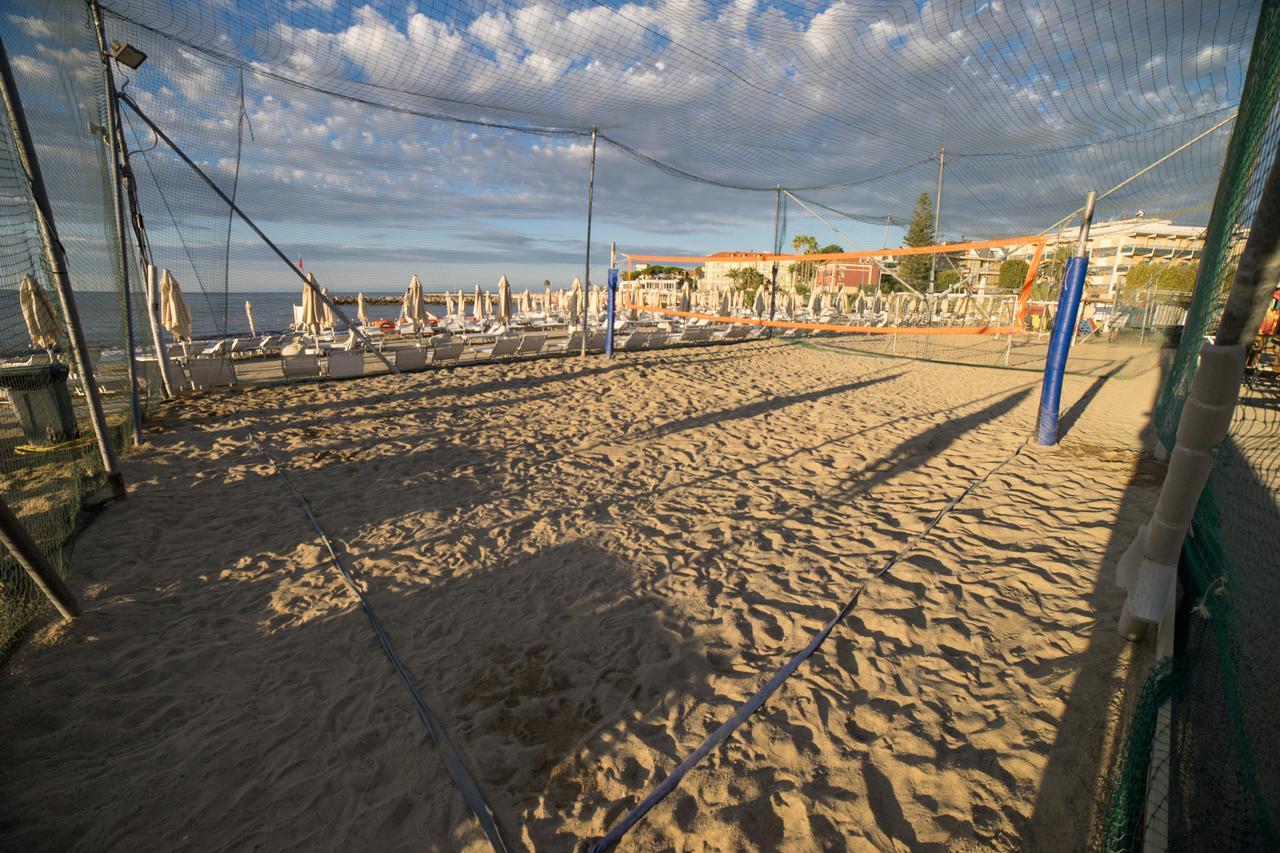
(1035, 105)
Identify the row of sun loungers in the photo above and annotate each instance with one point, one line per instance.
(217, 366)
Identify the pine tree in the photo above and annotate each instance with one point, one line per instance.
(914, 269)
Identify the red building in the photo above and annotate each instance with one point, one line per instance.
(850, 275)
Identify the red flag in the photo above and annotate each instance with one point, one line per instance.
(299, 261)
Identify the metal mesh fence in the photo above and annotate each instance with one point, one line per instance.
(48, 459)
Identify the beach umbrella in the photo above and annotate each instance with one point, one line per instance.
(477, 308)
(462, 304)
(350, 344)
(326, 312)
(546, 300)
(724, 304)
(758, 307)
(311, 317)
(174, 313)
(448, 304)
(42, 323)
(248, 313)
(504, 300)
(575, 297)
(360, 312)
(412, 309)
(686, 297)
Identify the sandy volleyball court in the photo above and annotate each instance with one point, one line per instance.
(586, 566)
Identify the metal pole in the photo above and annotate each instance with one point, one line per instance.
(56, 258)
(14, 536)
(777, 249)
(885, 243)
(244, 217)
(591, 186)
(115, 139)
(1060, 343)
(937, 231)
(148, 273)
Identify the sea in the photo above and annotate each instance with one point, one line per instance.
(212, 316)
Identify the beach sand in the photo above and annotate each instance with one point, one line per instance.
(585, 567)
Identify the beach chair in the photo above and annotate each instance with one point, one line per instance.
(299, 366)
(342, 364)
(573, 344)
(411, 359)
(737, 333)
(213, 349)
(531, 344)
(504, 348)
(210, 373)
(700, 334)
(595, 343)
(447, 354)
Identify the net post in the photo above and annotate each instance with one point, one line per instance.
(611, 300)
(591, 187)
(115, 139)
(55, 257)
(1063, 330)
(14, 537)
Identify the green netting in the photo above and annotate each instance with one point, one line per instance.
(48, 460)
(1223, 758)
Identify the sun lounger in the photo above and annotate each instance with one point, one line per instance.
(449, 353)
(595, 343)
(411, 359)
(299, 366)
(574, 343)
(344, 364)
(504, 347)
(531, 344)
(210, 372)
(213, 349)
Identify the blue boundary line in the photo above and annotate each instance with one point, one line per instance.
(462, 778)
(669, 784)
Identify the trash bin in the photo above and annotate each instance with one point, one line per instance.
(41, 401)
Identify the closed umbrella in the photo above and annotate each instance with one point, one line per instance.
(546, 301)
(686, 297)
(488, 304)
(174, 313)
(42, 324)
(326, 312)
(448, 304)
(462, 304)
(360, 312)
(724, 304)
(311, 317)
(575, 298)
(248, 313)
(758, 306)
(477, 308)
(504, 301)
(412, 309)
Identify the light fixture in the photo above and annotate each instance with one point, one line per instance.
(127, 54)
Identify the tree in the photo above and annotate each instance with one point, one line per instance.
(948, 278)
(546, 282)
(1013, 273)
(914, 269)
(1147, 276)
(802, 271)
(747, 280)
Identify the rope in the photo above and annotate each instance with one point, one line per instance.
(448, 753)
(761, 696)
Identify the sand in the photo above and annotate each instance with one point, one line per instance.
(586, 566)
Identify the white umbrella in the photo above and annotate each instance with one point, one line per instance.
(759, 307)
(248, 313)
(42, 324)
(488, 304)
(448, 304)
(412, 309)
(504, 301)
(360, 313)
(546, 301)
(311, 317)
(575, 297)
(326, 313)
(814, 302)
(477, 308)
(724, 304)
(686, 297)
(350, 343)
(174, 313)
(593, 302)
